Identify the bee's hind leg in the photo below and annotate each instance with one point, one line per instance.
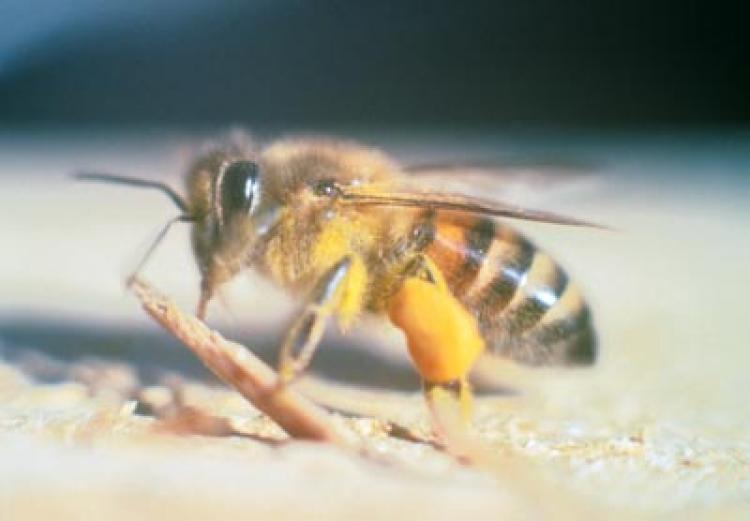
(305, 334)
(450, 404)
(444, 341)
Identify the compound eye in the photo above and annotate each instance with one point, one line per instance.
(327, 188)
(239, 187)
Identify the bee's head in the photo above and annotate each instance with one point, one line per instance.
(231, 211)
(228, 206)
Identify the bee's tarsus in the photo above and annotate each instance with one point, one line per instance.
(288, 374)
(201, 308)
(450, 405)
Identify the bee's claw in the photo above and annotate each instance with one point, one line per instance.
(286, 377)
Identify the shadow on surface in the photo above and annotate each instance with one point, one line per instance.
(152, 354)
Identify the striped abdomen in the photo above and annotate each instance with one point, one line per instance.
(527, 308)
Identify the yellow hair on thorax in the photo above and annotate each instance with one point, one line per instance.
(338, 238)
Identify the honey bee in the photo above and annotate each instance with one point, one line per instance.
(349, 232)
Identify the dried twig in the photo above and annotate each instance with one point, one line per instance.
(242, 370)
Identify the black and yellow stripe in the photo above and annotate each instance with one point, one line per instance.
(541, 294)
(512, 288)
(508, 267)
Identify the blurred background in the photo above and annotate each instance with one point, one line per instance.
(411, 63)
(633, 114)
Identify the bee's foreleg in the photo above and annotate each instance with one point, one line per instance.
(305, 334)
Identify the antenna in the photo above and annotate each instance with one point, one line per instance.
(176, 198)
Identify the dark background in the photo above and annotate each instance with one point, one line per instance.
(409, 63)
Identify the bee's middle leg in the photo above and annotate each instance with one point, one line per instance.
(305, 334)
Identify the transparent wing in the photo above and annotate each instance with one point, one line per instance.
(527, 184)
(456, 203)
